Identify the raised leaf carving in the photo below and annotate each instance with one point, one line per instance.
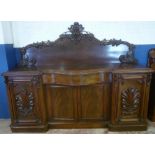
(24, 95)
(130, 99)
(25, 108)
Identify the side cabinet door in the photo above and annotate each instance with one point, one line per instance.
(26, 102)
(130, 100)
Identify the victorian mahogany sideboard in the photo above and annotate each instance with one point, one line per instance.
(78, 81)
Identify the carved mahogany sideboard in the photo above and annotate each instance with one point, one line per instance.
(151, 64)
(78, 81)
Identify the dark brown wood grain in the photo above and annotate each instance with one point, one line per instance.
(78, 81)
(129, 105)
(151, 64)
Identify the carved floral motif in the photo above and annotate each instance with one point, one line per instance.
(76, 33)
(25, 108)
(24, 96)
(130, 99)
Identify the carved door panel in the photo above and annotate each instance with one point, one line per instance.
(130, 98)
(26, 100)
(61, 102)
(93, 102)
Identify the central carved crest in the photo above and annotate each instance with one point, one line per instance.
(76, 33)
(76, 28)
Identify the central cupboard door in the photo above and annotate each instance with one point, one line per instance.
(93, 102)
(89, 102)
(61, 102)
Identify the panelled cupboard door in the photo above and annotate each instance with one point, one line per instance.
(130, 98)
(66, 103)
(26, 100)
(61, 102)
(93, 102)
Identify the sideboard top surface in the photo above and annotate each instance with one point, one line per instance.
(111, 68)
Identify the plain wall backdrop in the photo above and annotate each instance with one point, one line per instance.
(134, 32)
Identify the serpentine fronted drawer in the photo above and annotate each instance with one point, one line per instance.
(75, 79)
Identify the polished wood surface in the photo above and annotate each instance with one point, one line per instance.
(151, 64)
(78, 82)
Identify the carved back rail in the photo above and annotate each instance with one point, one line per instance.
(76, 47)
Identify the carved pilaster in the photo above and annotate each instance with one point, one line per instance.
(148, 79)
(117, 78)
(36, 80)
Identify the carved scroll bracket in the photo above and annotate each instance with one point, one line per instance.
(25, 60)
(129, 57)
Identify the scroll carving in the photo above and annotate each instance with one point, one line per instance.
(129, 57)
(130, 100)
(76, 34)
(25, 60)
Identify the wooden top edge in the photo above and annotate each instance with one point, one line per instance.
(125, 69)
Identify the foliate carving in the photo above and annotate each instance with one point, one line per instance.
(41, 45)
(76, 33)
(25, 110)
(25, 60)
(24, 99)
(76, 28)
(115, 42)
(130, 101)
(129, 57)
(24, 95)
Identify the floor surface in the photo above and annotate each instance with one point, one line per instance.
(5, 129)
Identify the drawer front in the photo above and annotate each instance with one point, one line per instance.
(79, 79)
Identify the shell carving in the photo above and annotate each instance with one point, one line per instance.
(130, 99)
